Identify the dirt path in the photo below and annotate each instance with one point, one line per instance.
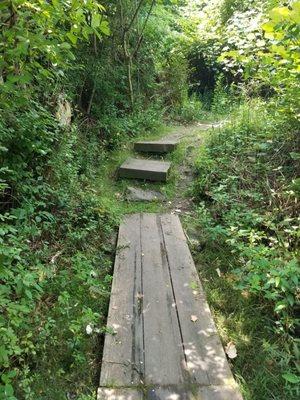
(192, 138)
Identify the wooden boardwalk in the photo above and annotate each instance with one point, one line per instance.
(165, 345)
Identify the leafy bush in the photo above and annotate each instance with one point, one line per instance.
(266, 54)
(64, 104)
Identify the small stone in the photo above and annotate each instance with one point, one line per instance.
(136, 194)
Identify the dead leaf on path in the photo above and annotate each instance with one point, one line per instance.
(230, 350)
(194, 318)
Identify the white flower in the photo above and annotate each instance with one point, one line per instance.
(89, 329)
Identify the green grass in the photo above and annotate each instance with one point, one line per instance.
(236, 216)
(240, 319)
(111, 190)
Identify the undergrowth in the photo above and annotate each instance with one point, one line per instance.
(248, 213)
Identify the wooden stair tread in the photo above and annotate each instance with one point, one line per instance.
(156, 146)
(157, 351)
(154, 170)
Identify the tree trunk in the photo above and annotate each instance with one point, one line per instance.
(130, 86)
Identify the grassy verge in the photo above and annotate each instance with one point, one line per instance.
(246, 245)
(240, 319)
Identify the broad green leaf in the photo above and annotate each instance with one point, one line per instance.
(295, 16)
(279, 307)
(269, 35)
(105, 28)
(296, 6)
(268, 26)
(279, 13)
(72, 37)
(95, 21)
(292, 378)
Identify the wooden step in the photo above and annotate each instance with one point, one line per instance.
(152, 170)
(164, 343)
(159, 146)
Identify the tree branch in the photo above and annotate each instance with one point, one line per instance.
(126, 29)
(143, 28)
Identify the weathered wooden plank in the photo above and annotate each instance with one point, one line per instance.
(206, 360)
(121, 364)
(119, 394)
(152, 170)
(219, 393)
(193, 393)
(169, 393)
(158, 146)
(164, 356)
(155, 292)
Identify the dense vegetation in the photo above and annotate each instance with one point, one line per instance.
(78, 79)
(248, 172)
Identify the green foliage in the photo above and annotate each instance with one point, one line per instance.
(268, 54)
(244, 180)
(247, 182)
(65, 103)
(230, 7)
(38, 36)
(81, 78)
(191, 110)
